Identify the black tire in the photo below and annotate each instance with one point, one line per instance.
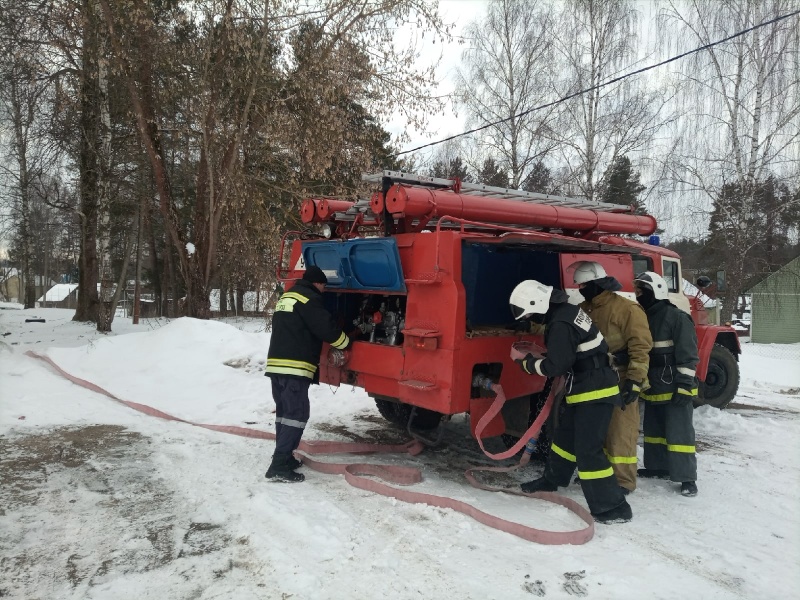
(722, 379)
(397, 413)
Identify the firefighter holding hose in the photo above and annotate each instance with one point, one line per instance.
(577, 350)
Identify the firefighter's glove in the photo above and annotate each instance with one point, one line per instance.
(684, 397)
(630, 392)
(526, 363)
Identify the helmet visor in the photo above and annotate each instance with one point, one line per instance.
(516, 311)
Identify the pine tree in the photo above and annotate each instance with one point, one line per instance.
(621, 185)
(540, 180)
(450, 168)
(492, 174)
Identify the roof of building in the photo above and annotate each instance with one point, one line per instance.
(787, 278)
(690, 290)
(58, 292)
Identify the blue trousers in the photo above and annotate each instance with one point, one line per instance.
(292, 410)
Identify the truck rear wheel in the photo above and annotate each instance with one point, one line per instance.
(397, 412)
(722, 379)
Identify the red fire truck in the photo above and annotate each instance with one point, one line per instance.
(424, 268)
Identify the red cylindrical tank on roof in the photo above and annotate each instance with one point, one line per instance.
(327, 208)
(308, 210)
(376, 203)
(421, 202)
(317, 210)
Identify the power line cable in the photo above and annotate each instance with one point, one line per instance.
(601, 85)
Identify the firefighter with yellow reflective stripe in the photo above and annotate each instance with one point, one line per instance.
(300, 324)
(669, 450)
(624, 327)
(576, 349)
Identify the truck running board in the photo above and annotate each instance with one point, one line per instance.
(422, 386)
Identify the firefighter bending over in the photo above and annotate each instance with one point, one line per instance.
(575, 348)
(669, 451)
(624, 327)
(299, 326)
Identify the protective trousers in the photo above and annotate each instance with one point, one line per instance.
(621, 441)
(669, 440)
(578, 440)
(292, 410)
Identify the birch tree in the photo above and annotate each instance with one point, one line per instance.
(598, 39)
(507, 69)
(25, 89)
(741, 123)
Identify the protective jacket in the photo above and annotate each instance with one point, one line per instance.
(576, 347)
(625, 329)
(299, 326)
(673, 359)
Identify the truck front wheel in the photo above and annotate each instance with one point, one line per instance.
(397, 412)
(722, 379)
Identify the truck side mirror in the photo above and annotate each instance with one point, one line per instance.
(703, 282)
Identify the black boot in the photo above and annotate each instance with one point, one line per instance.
(689, 489)
(538, 485)
(653, 473)
(294, 463)
(620, 514)
(280, 470)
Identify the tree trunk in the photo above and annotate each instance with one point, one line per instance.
(223, 299)
(105, 309)
(172, 292)
(239, 301)
(168, 279)
(155, 267)
(198, 303)
(88, 165)
(124, 271)
(137, 290)
(26, 235)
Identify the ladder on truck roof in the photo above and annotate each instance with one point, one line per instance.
(488, 191)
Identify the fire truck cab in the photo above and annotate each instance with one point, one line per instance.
(422, 272)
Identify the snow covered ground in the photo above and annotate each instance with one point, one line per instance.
(100, 501)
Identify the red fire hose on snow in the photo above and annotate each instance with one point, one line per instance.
(358, 474)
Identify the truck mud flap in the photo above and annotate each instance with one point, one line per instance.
(428, 441)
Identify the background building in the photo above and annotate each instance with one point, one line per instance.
(775, 311)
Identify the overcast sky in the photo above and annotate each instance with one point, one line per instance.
(461, 13)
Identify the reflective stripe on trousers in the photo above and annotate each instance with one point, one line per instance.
(578, 441)
(669, 440)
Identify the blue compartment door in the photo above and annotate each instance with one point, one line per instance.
(362, 264)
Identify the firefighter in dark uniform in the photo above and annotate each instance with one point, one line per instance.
(624, 327)
(300, 324)
(576, 349)
(669, 451)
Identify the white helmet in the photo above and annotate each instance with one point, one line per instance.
(586, 271)
(530, 298)
(655, 282)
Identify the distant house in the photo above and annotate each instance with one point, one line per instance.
(61, 295)
(709, 304)
(775, 306)
(9, 285)
(254, 304)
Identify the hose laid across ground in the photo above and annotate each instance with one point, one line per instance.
(361, 475)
